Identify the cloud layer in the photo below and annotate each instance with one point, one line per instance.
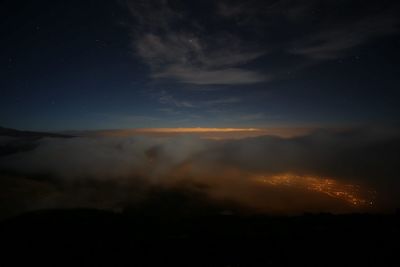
(113, 172)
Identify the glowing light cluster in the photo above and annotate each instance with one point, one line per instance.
(351, 193)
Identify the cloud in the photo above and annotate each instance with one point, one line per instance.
(203, 77)
(168, 99)
(352, 155)
(175, 46)
(239, 42)
(318, 30)
(222, 101)
(334, 42)
(112, 172)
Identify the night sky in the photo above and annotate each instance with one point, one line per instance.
(85, 65)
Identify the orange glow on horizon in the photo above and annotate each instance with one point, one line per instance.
(204, 132)
(196, 130)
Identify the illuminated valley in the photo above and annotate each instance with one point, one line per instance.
(353, 194)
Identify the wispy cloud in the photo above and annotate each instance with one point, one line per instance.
(204, 76)
(332, 32)
(233, 45)
(186, 53)
(228, 100)
(170, 100)
(334, 42)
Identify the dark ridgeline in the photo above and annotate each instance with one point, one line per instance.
(136, 237)
(24, 140)
(29, 134)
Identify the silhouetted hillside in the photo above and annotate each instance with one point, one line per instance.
(23, 140)
(29, 134)
(100, 238)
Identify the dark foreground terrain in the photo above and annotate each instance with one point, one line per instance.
(100, 238)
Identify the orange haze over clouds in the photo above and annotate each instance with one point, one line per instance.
(202, 132)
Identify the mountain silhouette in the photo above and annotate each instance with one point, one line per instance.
(103, 238)
(30, 134)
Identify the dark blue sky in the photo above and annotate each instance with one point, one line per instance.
(130, 64)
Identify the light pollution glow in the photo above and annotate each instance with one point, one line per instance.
(195, 130)
(350, 193)
(203, 132)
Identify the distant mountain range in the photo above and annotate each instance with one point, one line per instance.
(29, 134)
(22, 141)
